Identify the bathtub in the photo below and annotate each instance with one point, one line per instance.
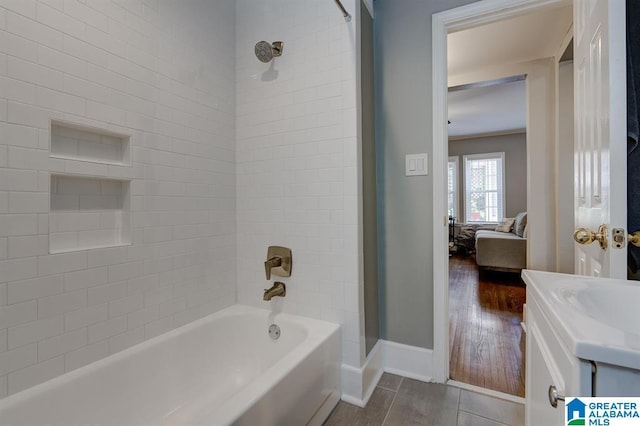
(220, 370)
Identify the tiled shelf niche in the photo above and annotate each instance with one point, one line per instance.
(88, 212)
(76, 142)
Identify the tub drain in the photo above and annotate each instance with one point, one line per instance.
(274, 331)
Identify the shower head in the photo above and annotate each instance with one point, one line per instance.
(265, 52)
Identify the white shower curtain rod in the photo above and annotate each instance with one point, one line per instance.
(347, 17)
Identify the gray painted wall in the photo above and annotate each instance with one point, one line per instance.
(370, 223)
(515, 159)
(402, 33)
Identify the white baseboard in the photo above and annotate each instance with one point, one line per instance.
(409, 361)
(359, 383)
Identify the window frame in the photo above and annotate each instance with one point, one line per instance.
(501, 180)
(456, 190)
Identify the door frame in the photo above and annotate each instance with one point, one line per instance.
(458, 19)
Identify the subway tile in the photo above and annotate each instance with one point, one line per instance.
(141, 317)
(125, 305)
(28, 202)
(107, 292)
(34, 331)
(125, 271)
(36, 159)
(85, 14)
(18, 135)
(36, 288)
(61, 304)
(157, 327)
(64, 262)
(84, 88)
(20, 247)
(59, 20)
(14, 45)
(104, 330)
(125, 340)
(3, 294)
(35, 374)
(97, 64)
(33, 73)
(18, 224)
(62, 62)
(19, 91)
(86, 355)
(59, 345)
(59, 101)
(106, 256)
(18, 313)
(30, 115)
(18, 358)
(4, 202)
(86, 316)
(4, 248)
(18, 269)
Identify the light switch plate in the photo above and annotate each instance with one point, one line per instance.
(416, 165)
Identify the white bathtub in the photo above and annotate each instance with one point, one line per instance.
(223, 369)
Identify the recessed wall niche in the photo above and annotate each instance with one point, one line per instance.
(88, 212)
(76, 142)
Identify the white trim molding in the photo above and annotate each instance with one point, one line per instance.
(359, 383)
(458, 19)
(404, 360)
(408, 361)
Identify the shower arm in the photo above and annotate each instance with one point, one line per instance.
(346, 15)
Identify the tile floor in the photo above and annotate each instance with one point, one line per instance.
(399, 401)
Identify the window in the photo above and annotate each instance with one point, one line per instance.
(484, 187)
(452, 186)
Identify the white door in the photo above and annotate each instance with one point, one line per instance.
(600, 130)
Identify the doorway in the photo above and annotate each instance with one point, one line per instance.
(541, 203)
(487, 185)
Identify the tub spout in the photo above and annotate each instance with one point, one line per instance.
(273, 262)
(278, 289)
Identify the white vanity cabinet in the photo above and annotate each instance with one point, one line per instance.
(571, 351)
(549, 363)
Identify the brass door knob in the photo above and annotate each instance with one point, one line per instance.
(587, 236)
(634, 238)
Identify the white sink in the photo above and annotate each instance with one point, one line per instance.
(598, 318)
(615, 304)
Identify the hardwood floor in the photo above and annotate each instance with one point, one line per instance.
(486, 339)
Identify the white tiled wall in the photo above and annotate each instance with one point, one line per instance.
(297, 180)
(163, 72)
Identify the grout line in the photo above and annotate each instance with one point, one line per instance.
(483, 417)
(392, 401)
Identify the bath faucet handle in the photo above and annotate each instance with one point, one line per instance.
(271, 263)
(279, 262)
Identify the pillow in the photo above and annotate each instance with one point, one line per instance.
(520, 224)
(506, 224)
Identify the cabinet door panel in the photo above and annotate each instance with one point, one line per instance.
(539, 377)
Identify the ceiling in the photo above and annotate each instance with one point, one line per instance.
(496, 108)
(485, 110)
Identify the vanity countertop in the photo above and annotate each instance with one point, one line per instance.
(598, 319)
